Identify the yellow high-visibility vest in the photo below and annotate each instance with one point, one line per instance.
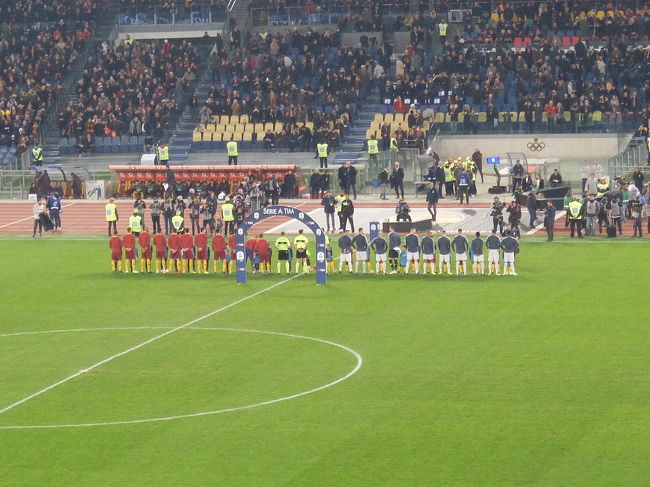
(163, 153)
(393, 144)
(177, 222)
(227, 212)
(442, 28)
(111, 212)
(574, 210)
(322, 150)
(135, 222)
(37, 154)
(231, 147)
(373, 146)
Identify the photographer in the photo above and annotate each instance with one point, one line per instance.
(402, 211)
(514, 218)
(496, 213)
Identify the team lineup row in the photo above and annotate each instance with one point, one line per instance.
(185, 253)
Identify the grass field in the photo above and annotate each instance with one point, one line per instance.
(540, 379)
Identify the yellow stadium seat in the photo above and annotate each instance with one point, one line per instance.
(234, 119)
(249, 128)
(224, 120)
(398, 117)
(522, 117)
(201, 127)
(268, 126)
(231, 128)
(260, 135)
(240, 127)
(310, 125)
(513, 116)
(247, 136)
(215, 119)
(210, 127)
(611, 14)
(482, 117)
(278, 127)
(544, 117)
(211, 137)
(259, 127)
(439, 118)
(567, 116)
(197, 136)
(597, 116)
(378, 117)
(243, 119)
(426, 125)
(237, 137)
(494, 17)
(448, 117)
(225, 136)
(461, 117)
(600, 15)
(389, 117)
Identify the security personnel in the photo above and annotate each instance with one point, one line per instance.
(321, 152)
(37, 155)
(301, 242)
(228, 217)
(602, 188)
(575, 216)
(178, 222)
(231, 147)
(163, 154)
(111, 216)
(394, 148)
(442, 32)
(128, 42)
(135, 223)
(283, 244)
(373, 148)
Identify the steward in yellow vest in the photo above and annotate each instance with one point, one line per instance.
(163, 154)
(322, 153)
(231, 147)
(111, 216)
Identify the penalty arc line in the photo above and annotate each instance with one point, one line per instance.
(140, 345)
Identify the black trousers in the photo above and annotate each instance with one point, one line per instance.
(114, 225)
(323, 162)
(232, 160)
(497, 222)
(399, 187)
(575, 224)
(549, 233)
(155, 223)
(344, 221)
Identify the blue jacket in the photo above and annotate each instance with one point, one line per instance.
(54, 203)
(432, 196)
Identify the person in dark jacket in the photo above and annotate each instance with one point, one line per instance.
(352, 180)
(383, 184)
(347, 211)
(555, 179)
(477, 157)
(532, 208)
(329, 205)
(315, 184)
(397, 180)
(549, 220)
(432, 200)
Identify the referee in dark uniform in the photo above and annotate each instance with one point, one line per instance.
(394, 247)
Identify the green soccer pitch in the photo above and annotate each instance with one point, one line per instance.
(539, 379)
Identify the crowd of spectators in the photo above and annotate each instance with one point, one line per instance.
(545, 80)
(291, 77)
(38, 43)
(131, 89)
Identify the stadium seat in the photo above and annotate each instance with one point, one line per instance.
(243, 119)
(268, 126)
(211, 127)
(259, 127)
(389, 117)
(379, 117)
(234, 119)
(224, 120)
(482, 117)
(249, 128)
(439, 118)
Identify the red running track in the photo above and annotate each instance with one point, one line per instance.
(87, 217)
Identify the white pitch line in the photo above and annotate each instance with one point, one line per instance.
(140, 345)
(32, 217)
(356, 368)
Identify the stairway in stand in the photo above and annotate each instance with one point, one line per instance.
(354, 145)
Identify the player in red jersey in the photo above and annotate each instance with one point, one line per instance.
(187, 249)
(201, 242)
(144, 239)
(115, 244)
(161, 252)
(174, 244)
(263, 254)
(219, 251)
(129, 251)
(250, 252)
(232, 245)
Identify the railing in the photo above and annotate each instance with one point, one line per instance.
(159, 15)
(636, 154)
(331, 14)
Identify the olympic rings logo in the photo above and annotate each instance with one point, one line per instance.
(536, 145)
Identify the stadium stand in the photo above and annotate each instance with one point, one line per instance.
(126, 93)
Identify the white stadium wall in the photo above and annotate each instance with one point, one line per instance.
(535, 146)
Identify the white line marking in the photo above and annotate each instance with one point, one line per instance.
(541, 225)
(356, 368)
(32, 217)
(140, 345)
